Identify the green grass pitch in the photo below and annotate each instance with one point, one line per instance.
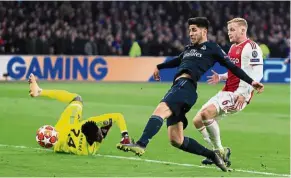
(259, 136)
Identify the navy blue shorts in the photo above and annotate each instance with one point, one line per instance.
(180, 99)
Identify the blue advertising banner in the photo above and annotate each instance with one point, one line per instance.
(113, 68)
(275, 71)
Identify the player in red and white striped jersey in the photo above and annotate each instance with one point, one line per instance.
(236, 94)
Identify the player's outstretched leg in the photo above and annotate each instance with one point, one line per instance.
(177, 139)
(151, 129)
(209, 128)
(60, 95)
(197, 121)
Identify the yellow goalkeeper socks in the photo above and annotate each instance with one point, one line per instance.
(60, 95)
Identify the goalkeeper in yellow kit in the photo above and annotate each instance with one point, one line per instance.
(77, 136)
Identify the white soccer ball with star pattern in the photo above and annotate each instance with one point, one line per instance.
(47, 136)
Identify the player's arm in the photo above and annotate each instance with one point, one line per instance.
(107, 120)
(224, 77)
(224, 60)
(216, 78)
(253, 57)
(169, 64)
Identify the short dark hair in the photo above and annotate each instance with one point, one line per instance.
(199, 21)
(90, 130)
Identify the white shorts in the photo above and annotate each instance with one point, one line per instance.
(224, 101)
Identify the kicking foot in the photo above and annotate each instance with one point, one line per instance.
(135, 148)
(218, 161)
(124, 141)
(226, 158)
(34, 89)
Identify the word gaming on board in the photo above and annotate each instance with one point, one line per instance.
(58, 67)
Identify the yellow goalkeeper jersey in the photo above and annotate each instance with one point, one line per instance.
(70, 137)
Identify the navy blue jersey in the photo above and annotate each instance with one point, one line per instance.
(195, 60)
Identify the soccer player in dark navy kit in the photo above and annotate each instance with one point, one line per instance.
(196, 59)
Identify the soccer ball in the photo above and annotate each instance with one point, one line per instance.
(47, 136)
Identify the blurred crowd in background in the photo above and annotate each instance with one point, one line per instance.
(134, 28)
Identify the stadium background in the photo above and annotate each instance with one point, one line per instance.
(122, 42)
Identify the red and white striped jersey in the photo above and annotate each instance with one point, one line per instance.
(248, 56)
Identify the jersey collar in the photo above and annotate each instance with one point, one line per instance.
(242, 42)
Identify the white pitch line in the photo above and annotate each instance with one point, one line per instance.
(158, 162)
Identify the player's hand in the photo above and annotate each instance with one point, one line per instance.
(157, 74)
(240, 101)
(258, 86)
(287, 61)
(213, 79)
(105, 130)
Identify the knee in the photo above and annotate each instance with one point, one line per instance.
(176, 141)
(197, 121)
(205, 114)
(162, 110)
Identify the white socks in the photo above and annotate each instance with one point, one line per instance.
(206, 136)
(214, 133)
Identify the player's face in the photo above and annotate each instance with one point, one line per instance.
(195, 33)
(99, 136)
(235, 32)
(96, 137)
